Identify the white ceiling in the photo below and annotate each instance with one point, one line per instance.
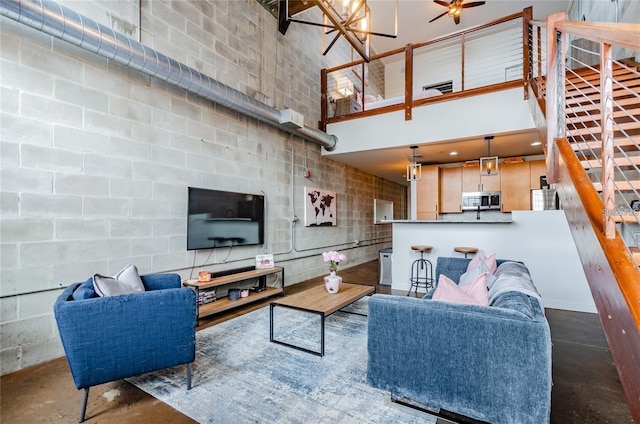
(414, 15)
(413, 26)
(391, 163)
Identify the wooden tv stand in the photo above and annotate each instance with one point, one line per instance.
(224, 304)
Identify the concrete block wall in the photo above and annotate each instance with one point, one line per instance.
(96, 158)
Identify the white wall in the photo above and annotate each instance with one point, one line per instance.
(493, 113)
(605, 11)
(540, 239)
(487, 55)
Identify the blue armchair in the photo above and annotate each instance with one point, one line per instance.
(110, 338)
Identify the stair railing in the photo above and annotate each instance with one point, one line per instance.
(598, 111)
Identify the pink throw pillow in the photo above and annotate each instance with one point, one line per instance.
(490, 261)
(472, 294)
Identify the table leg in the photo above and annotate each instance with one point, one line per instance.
(273, 340)
(271, 306)
(322, 335)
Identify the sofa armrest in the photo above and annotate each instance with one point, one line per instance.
(491, 364)
(109, 338)
(161, 281)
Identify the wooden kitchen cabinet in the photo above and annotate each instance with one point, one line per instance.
(538, 169)
(427, 193)
(451, 190)
(472, 181)
(491, 183)
(515, 184)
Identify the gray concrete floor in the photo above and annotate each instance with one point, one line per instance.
(586, 388)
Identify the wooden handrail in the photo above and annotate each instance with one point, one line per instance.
(470, 29)
(618, 34)
(538, 23)
(371, 58)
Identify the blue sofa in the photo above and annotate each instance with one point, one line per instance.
(110, 338)
(489, 363)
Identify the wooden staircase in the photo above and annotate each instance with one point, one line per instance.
(583, 116)
(574, 154)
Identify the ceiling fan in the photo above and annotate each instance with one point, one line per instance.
(455, 8)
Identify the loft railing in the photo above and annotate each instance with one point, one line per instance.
(474, 61)
(586, 78)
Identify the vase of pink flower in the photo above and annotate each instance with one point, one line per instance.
(332, 281)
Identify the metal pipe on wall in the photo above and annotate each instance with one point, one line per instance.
(61, 22)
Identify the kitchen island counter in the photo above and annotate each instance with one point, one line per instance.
(520, 240)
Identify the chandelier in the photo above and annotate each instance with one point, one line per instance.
(350, 19)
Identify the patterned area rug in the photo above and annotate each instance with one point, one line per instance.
(241, 377)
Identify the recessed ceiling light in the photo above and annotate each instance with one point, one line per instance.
(454, 153)
(536, 143)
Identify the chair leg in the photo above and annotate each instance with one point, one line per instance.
(83, 407)
(189, 376)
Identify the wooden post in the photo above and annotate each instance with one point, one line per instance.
(606, 126)
(526, 49)
(323, 100)
(539, 78)
(408, 82)
(462, 62)
(555, 107)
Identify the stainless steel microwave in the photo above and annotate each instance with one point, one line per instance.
(482, 200)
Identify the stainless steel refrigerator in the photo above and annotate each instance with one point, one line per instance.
(544, 199)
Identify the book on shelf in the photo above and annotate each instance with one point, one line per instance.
(206, 296)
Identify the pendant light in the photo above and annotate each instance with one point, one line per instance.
(489, 164)
(414, 169)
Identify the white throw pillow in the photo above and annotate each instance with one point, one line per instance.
(472, 273)
(127, 280)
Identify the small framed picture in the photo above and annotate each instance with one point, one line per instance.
(264, 261)
(320, 208)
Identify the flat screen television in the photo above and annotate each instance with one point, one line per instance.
(218, 218)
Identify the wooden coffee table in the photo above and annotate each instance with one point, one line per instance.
(316, 300)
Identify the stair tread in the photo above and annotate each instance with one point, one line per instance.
(584, 130)
(593, 146)
(594, 93)
(626, 77)
(594, 103)
(594, 71)
(619, 161)
(618, 115)
(621, 186)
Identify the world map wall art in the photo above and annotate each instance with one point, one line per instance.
(320, 208)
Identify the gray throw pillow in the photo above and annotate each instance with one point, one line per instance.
(127, 280)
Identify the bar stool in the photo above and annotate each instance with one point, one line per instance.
(466, 250)
(421, 270)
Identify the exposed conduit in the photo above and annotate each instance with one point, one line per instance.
(63, 23)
